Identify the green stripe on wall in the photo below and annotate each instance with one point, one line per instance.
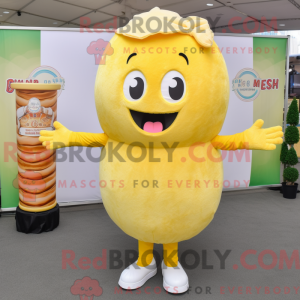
(265, 168)
(19, 55)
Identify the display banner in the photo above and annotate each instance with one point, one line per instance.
(20, 53)
(270, 64)
(256, 67)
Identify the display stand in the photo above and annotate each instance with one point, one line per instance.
(36, 110)
(37, 222)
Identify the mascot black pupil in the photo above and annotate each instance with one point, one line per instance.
(137, 91)
(177, 91)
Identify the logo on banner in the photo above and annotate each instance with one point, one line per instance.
(247, 84)
(46, 74)
(42, 74)
(100, 49)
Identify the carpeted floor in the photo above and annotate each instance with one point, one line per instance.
(32, 268)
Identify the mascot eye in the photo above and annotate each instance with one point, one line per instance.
(134, 86)
(173, 86)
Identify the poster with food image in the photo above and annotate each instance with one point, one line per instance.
(34, 117)
(36, 110)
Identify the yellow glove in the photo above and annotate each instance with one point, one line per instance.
(63, 137)
(263, 139)
(55, 139)
(254, 138)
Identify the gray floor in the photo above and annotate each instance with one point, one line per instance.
(31, 265)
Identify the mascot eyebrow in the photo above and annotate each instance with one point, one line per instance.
(185, 57)
(181, 54)
(131, 55)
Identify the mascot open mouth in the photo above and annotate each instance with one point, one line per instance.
(153, 123)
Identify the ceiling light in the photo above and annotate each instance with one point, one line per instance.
(209, 4)
(6, 12)
(281, 24)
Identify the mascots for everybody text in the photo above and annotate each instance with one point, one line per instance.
(161, 108)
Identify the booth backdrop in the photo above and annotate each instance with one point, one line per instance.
(75, 56)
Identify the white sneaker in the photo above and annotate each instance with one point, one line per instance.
(134, 276)
(175, 280)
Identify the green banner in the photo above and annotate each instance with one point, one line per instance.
(19, 55)
(269, 60)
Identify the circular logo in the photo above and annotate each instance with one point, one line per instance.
(244, 85)
(46, 74)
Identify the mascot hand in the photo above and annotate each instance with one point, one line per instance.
(258, 138)
(56, 139)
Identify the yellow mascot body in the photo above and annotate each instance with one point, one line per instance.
(161, 99)
(162, 212)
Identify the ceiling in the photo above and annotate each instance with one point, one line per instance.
(236, 16)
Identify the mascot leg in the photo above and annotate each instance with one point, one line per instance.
(145, 254)
(175, 280)
(139, 272)
(171, 254)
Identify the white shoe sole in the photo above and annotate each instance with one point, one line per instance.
(136, 285)
(175, 289)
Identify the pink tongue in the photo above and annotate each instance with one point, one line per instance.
(153, 127)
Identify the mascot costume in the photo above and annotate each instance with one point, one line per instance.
(161, 109)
